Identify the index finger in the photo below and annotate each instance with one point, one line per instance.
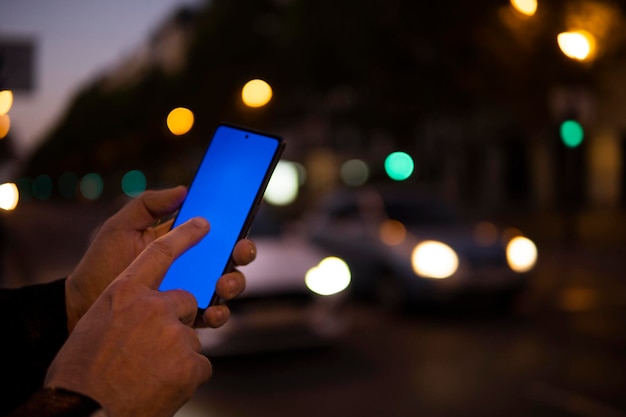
(153, 262)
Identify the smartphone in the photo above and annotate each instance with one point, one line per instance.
(227, 190)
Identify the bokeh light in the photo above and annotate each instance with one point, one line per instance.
(579, 45)
(9, 196)
(283, 186)
(256, 93)
(42, 187)
(526, 7)
(134, 183)
(399, 166)
(180, 121)
(5, 125)
(578, 299)
(302, 173)
(391, 232)
(91, 186)
(521, 254)
(331, 276)
(354, 172)
(572, 133)
(6, 101)
(434, 259)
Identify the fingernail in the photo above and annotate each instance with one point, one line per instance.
(252, 250)
(200, 222)
(219, 315)
(232, 285)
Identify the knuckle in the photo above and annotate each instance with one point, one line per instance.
(207, 369)
(146, 194)
(194, 366)
(194, 339)
(161, 250)
(159, 307)
(121, 288)
(201, 368)
(185, 298)
(122, 295)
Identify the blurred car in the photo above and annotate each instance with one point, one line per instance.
(407, 248)
(296, 296)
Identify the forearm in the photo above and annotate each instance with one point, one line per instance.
(34, 324)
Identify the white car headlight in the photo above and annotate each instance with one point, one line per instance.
(330, 276)
(521, 254)
(434, 259)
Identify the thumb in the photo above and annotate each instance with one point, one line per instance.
(150, 266)
(149, 206)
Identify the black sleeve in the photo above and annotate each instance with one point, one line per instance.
(54, 402)
(33, 321)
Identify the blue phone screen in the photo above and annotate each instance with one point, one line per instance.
(223, 191)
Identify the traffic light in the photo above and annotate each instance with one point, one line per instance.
(572, 133)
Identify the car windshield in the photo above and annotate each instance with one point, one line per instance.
(418, 213)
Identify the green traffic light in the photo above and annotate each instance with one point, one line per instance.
(572, 133)
(399, 166)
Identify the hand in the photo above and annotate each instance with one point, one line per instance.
(125, 235)
(134, 351)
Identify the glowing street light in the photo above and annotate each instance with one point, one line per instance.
(579, 45)
(282, 188)
(256, 93)
(6, 101)
(354, 172)
(399, 166)
(134, 183)
(526, 7)
(180, 121)
(572, 133)
(9, 196)
(91, 186)
(5, 125)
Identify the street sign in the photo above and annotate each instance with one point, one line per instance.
(17, 64)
